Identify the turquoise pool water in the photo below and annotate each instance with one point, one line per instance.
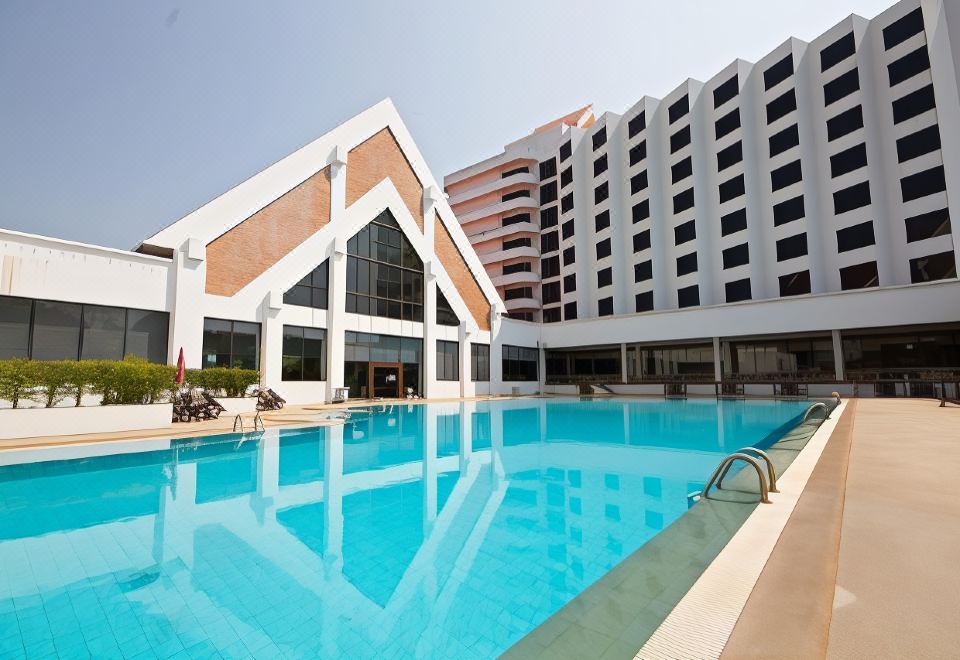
(439, 530)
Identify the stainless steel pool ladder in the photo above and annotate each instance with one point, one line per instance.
(726, 463)
(815, 406)
(237, 420)
(257, 424)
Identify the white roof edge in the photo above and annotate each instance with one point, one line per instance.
(67, 244)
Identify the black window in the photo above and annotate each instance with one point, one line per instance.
(566, 203)
(781, 106)
(550, 267)
(641, 241)
(848, 160)
(551, 315)
(843, 85)
(515, 219)
(604, 277)
(923, 183)
(548, 168)
(517, 242)
(913, 104)
(637, 124)
(791, 247)
(680, 139)
(729, 156)
(605, 307)
(908, 66)
(519, 267)
(57, 330)
(600, 165)
(567, 229)
(854, 197)
(641, 210)
(684, 232)
(548, 192)
(304, 354)
(788, 211)
(603, 248)
(518, 293)
(516, 194)
(601, 192)
(479, 362)
(683, 200)
(566, 177)
(778, 72)
(903, 28)
(569, 311)
(445, 313)
(311, 291)
(795, 284)
(688, 296)
(550, 292)
(230, 344)
(638, 152)
(928, 225)
(569, 255)
(725, 91)
(600, 138)
(733, 222)
(933, 267)
(856, 236)
(681, 170)
(548, 217)
(846, 122)
(566, 150)
(783, 140)
(15, 315)
(916, 144)
(678, 108)
(732, 188)
(644, 301)
(738, 290)
(448, 360)
(569, 282)
(602, 221)
(687, 264)
(785, 175)
(549, 242)
(727, 123)
(516, 170)
(738, 255)
(837, 52)
(859, 276)
(643, 271)
(638, 182)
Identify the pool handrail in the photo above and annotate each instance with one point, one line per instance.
(815, 406)
(736, 456)
(771, 471)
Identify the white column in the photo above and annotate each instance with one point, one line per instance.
(496, 351)
(271, 340)
(336, 299)
(623, 363)
(542, 367)
(838, 355)
(465, 374)
(717, 360)
(430, 197)
(186, 317)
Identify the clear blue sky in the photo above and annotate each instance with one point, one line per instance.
(118, 117)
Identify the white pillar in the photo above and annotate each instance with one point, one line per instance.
(465, 373)
(186, 317)
(838, 365)
(337, 297)
(623, 363)
(717, 359)
(430, 197)
(271, 340)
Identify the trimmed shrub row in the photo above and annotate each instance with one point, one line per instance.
(131, 381)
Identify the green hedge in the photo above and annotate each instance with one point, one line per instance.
(131, 381)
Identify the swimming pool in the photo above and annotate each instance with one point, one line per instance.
(435, 530)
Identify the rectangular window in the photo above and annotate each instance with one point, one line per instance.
(738, 255)
(788, 211)
(231, 344)
(569, 255)
(848, 160)
(601, 192)
(727, 123)
(845, 123)
(644, 301)
(566, 177)
(860, 276)
(518, 293)
(913, 104)
(603, 249)
(643, 271)
(725, 91)
(687, 264)
(549, 217)
(729, 156)
(733, 222)
(917, 144)
(569, 311)
(515, 219)
(854, 197)
(548, 169)
(781, 106)
(311, 291)
(604, 277)
(550, 267)
(684, 232)
(146, 335)
(566, 150)
(786, 175)
(681, 170)
(448, 360)
(903, 28)
(566, 204)
(304, 354)
(778, 72)
(602, 221)
(567, 228)
(103, 333)
(923, 183)
(638, 152)
(637, 124)
(856, 236)
(548, 192)
(569, 282)
(683, 201)
(520, 363)
(551, 315)
(479, 362)
(908, 66)
(56, 330)
(783, 140)
(549, 242)
(550, 292)
(837, 52)
(600, 165)
(516, 194)
(791, 247)
(933, 267)
(15, 315)
(520, 267)
(516, 170)
(638, 182)
(678, 108)
(795, 284)
(688, 296)
(738, 290)
(641, 241)
(928, 225)
(680, 139)
(641, 211)
(732, 189)
(842, 86)
(600, 138)
(605, 307)
(517, 243)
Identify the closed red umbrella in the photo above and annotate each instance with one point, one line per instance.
(180, 368)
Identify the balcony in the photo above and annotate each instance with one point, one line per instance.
(515, 278)
(512, 253)
(499, 207)
(521, 303)
(507, 230)
(491, 186)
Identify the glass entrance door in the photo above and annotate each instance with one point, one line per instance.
(386, 380)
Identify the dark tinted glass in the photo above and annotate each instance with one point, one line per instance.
(681, 170)
(600, 165)
(603, 248)
(680, 139)
(846, 122)
(566, 150)
(688, 296)
(638, 182)
(727, 123)
(729, 156)
(738, 255)
(641, 241)
(933, 267)
(683, 200)
(602, 221)
(548, 168)
(687, 264)
(567, 229)
(795, 284)
(549, 242)
(908, 66)
(638, 152)
(644, 301)
(637, 124)
(738, 290)
(838, 51)
(848, 160)
(786, 175)
(601, 192)
(600, 138)
(569, 255)
(15, 327)
(843, 85)
(641, 210)
(566, 177)
(684, 232)
(733, 222)
(928, 225)
(791, 247)
(783, 140)
(732, 188)
(725, 91)
(569, 282)
(778, 72)
(566, 203)
(569, 311)
(103, 333)
(916, 144)
(856, 236)
(643, 271)
(859, 276)
(604, 277)
(548, 192)
(913, 104)
(781, 106)
(788, 211)
(854, 197)
(923, 183)
(56, 331)
(605, 307)
(550, 292)
(678, 108)
(549, 217)
(550, 267)
(903, 28)
(147, 335)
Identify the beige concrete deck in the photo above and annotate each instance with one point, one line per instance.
(866, 567)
